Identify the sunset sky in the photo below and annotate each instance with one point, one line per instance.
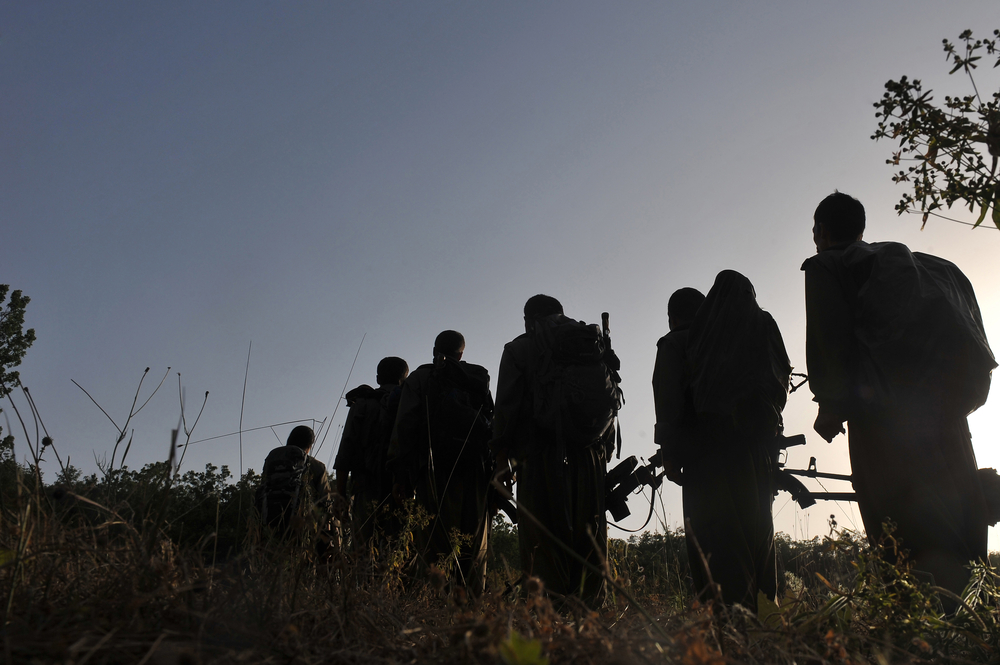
(180, 180)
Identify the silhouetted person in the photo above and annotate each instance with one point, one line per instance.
(720, 384)
(294, 498)
(363, 453)
(440, 453)
(896, 348)
(560, 472)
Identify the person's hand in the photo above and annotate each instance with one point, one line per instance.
(401, 493)
(504, 473)
(672, 471)
(828, 425)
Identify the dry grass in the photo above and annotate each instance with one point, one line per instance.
(90, 580)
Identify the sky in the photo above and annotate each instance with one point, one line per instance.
(254, 194)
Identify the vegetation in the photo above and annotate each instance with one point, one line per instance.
(952, 148)
(14, 340)
(128, 567)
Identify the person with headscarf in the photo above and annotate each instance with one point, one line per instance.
(720, 384)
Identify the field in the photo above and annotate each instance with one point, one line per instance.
(149, 567)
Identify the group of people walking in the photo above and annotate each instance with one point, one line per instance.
(895, 349)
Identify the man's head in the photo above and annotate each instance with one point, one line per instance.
(450, 344)
(391, 371)
(682, 307)
(538, 307)
(838, 219)
(301, 437)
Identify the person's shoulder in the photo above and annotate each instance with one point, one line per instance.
(520, 340)
(284, 454)
(829, 259)
(476, 372)
(420, 373)
(520, 347)
(674, 338)
(317, 467)
(360, 394)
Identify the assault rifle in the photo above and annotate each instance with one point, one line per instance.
(613, 363)
(624, 479)
(628, 475)
(785, 478)
(504, 504)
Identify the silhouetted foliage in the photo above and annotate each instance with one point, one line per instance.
(14, 340)
(954, 147)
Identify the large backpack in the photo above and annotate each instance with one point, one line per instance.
(919, 329)
(376, 452)
(459, 410)
(575, 394)
(282, 490)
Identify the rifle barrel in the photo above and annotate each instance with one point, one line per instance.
(834, 496)
(819, 474)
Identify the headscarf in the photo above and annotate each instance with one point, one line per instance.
(738, 361)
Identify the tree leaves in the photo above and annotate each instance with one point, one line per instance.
(940, 145)
(14, 340)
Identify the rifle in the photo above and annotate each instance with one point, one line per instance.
(613, 364)
(503, 503)
(627, 476)
(784, 479)
(624, 479)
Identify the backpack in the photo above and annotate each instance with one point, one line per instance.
(280, 494)
(376, 452)
(575, 393)
(459, 410)
(919, 329)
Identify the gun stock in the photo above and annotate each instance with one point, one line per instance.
(789, 483)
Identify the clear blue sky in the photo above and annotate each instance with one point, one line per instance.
(180, 179)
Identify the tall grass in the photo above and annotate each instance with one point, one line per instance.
(129, 567)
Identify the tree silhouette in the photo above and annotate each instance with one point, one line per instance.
(952, 149)
(14, 340)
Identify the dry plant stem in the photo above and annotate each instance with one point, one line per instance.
(128, 447)
(188, 432)
(97, 405)
(243, 400)
(34, 414)
(156, 643)
(22, 545)
(131, 414)
(34, 449)
(100, 643)
(342, 391)
(618, 587)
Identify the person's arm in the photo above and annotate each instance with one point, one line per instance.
(512, 387)
(669, 399)
(830, 348)
(350, 448)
